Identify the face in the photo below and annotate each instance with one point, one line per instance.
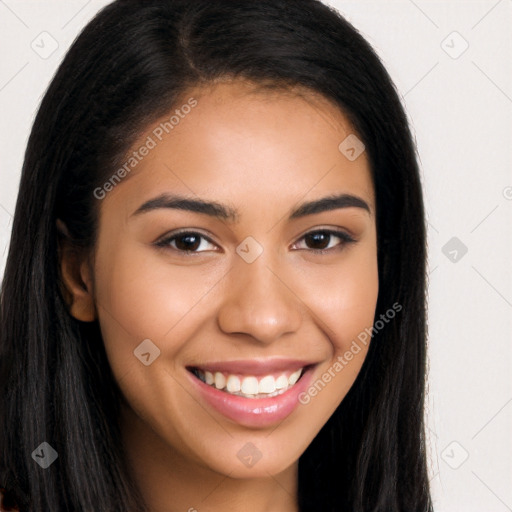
(219, 259)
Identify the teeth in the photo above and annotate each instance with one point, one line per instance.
(267, 385)
(281, 382)
(220, 380)
(250, 386)
(294, 377)
(233, 384)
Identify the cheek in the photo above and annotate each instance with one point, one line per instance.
(345, 311)
(141, 297)
(343, 298)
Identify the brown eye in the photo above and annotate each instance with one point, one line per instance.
(320, 240)
(188, 242)
(185, 241)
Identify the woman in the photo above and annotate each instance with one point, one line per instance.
(215, 290)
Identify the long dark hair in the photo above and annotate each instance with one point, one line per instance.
(129, 66)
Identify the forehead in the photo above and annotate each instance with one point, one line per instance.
(240, 139)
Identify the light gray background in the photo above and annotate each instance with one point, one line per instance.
(460, 106)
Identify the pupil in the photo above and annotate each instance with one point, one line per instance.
(188, 246)
(318, 237)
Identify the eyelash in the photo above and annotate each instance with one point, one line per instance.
(345, 237)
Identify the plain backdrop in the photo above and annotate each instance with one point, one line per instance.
(452, 64)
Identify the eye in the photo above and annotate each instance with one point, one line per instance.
(324, 237)
(187, 242)
(190, 242)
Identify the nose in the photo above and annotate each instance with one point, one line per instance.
(259, 303)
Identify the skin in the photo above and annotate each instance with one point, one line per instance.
(262, 153)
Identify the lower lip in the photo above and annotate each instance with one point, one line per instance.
(253, 412)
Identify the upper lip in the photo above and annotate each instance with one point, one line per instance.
(254, 366)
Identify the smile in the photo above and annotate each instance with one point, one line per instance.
(254, 393)
(250, 386)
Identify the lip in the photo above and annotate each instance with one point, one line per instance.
(256, 367)
(254, 412)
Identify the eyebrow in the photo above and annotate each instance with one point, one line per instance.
(227, 213)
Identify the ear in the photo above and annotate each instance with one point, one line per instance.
(76, 275)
